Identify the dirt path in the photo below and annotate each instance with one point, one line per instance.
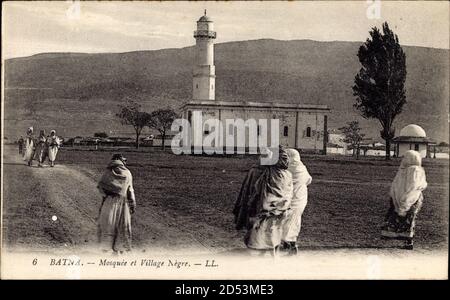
(34, 196)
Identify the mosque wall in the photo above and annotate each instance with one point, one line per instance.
(297, 128)
(421, 148)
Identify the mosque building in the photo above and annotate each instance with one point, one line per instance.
(413, 137)
(301, 126)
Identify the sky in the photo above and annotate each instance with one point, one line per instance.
(67, 26)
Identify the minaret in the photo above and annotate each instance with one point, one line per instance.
(204, 77)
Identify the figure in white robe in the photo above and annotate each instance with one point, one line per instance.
(293, 219)
(114, 220)
(30, 147)
(406, 199)
(53, 143)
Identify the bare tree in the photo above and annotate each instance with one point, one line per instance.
(162, 120)
(130, 114)
(353, 136)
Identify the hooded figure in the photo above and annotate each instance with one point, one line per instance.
(30, 147)
(245, 206)
(292, 223)
(406, 198)
(21, 142)
(114, 221)
(41, 148)
(53, 143)
(275, 191)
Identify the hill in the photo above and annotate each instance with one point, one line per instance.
(78, 93)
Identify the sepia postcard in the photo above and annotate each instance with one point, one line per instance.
(225, 140)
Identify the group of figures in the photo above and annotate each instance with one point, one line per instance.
(269, 207)
(40, 148)
(271, 203)
(273, 198)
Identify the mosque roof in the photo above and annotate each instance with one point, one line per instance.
(412, 139)
(204, 18)
(257, 105)
(413, 130)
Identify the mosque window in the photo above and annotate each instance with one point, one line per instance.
(416, 147)
(231, 128)
(258, 130)
(286, 131)
(308, 131)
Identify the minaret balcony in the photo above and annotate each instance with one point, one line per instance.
(204, 34)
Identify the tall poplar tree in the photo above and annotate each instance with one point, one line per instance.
(380, 84)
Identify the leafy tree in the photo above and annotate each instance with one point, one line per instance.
(380, 83)
(353, 136)
(162, 120)
(130, 114)
(101, 135)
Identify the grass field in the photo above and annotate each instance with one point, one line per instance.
(347, 198)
